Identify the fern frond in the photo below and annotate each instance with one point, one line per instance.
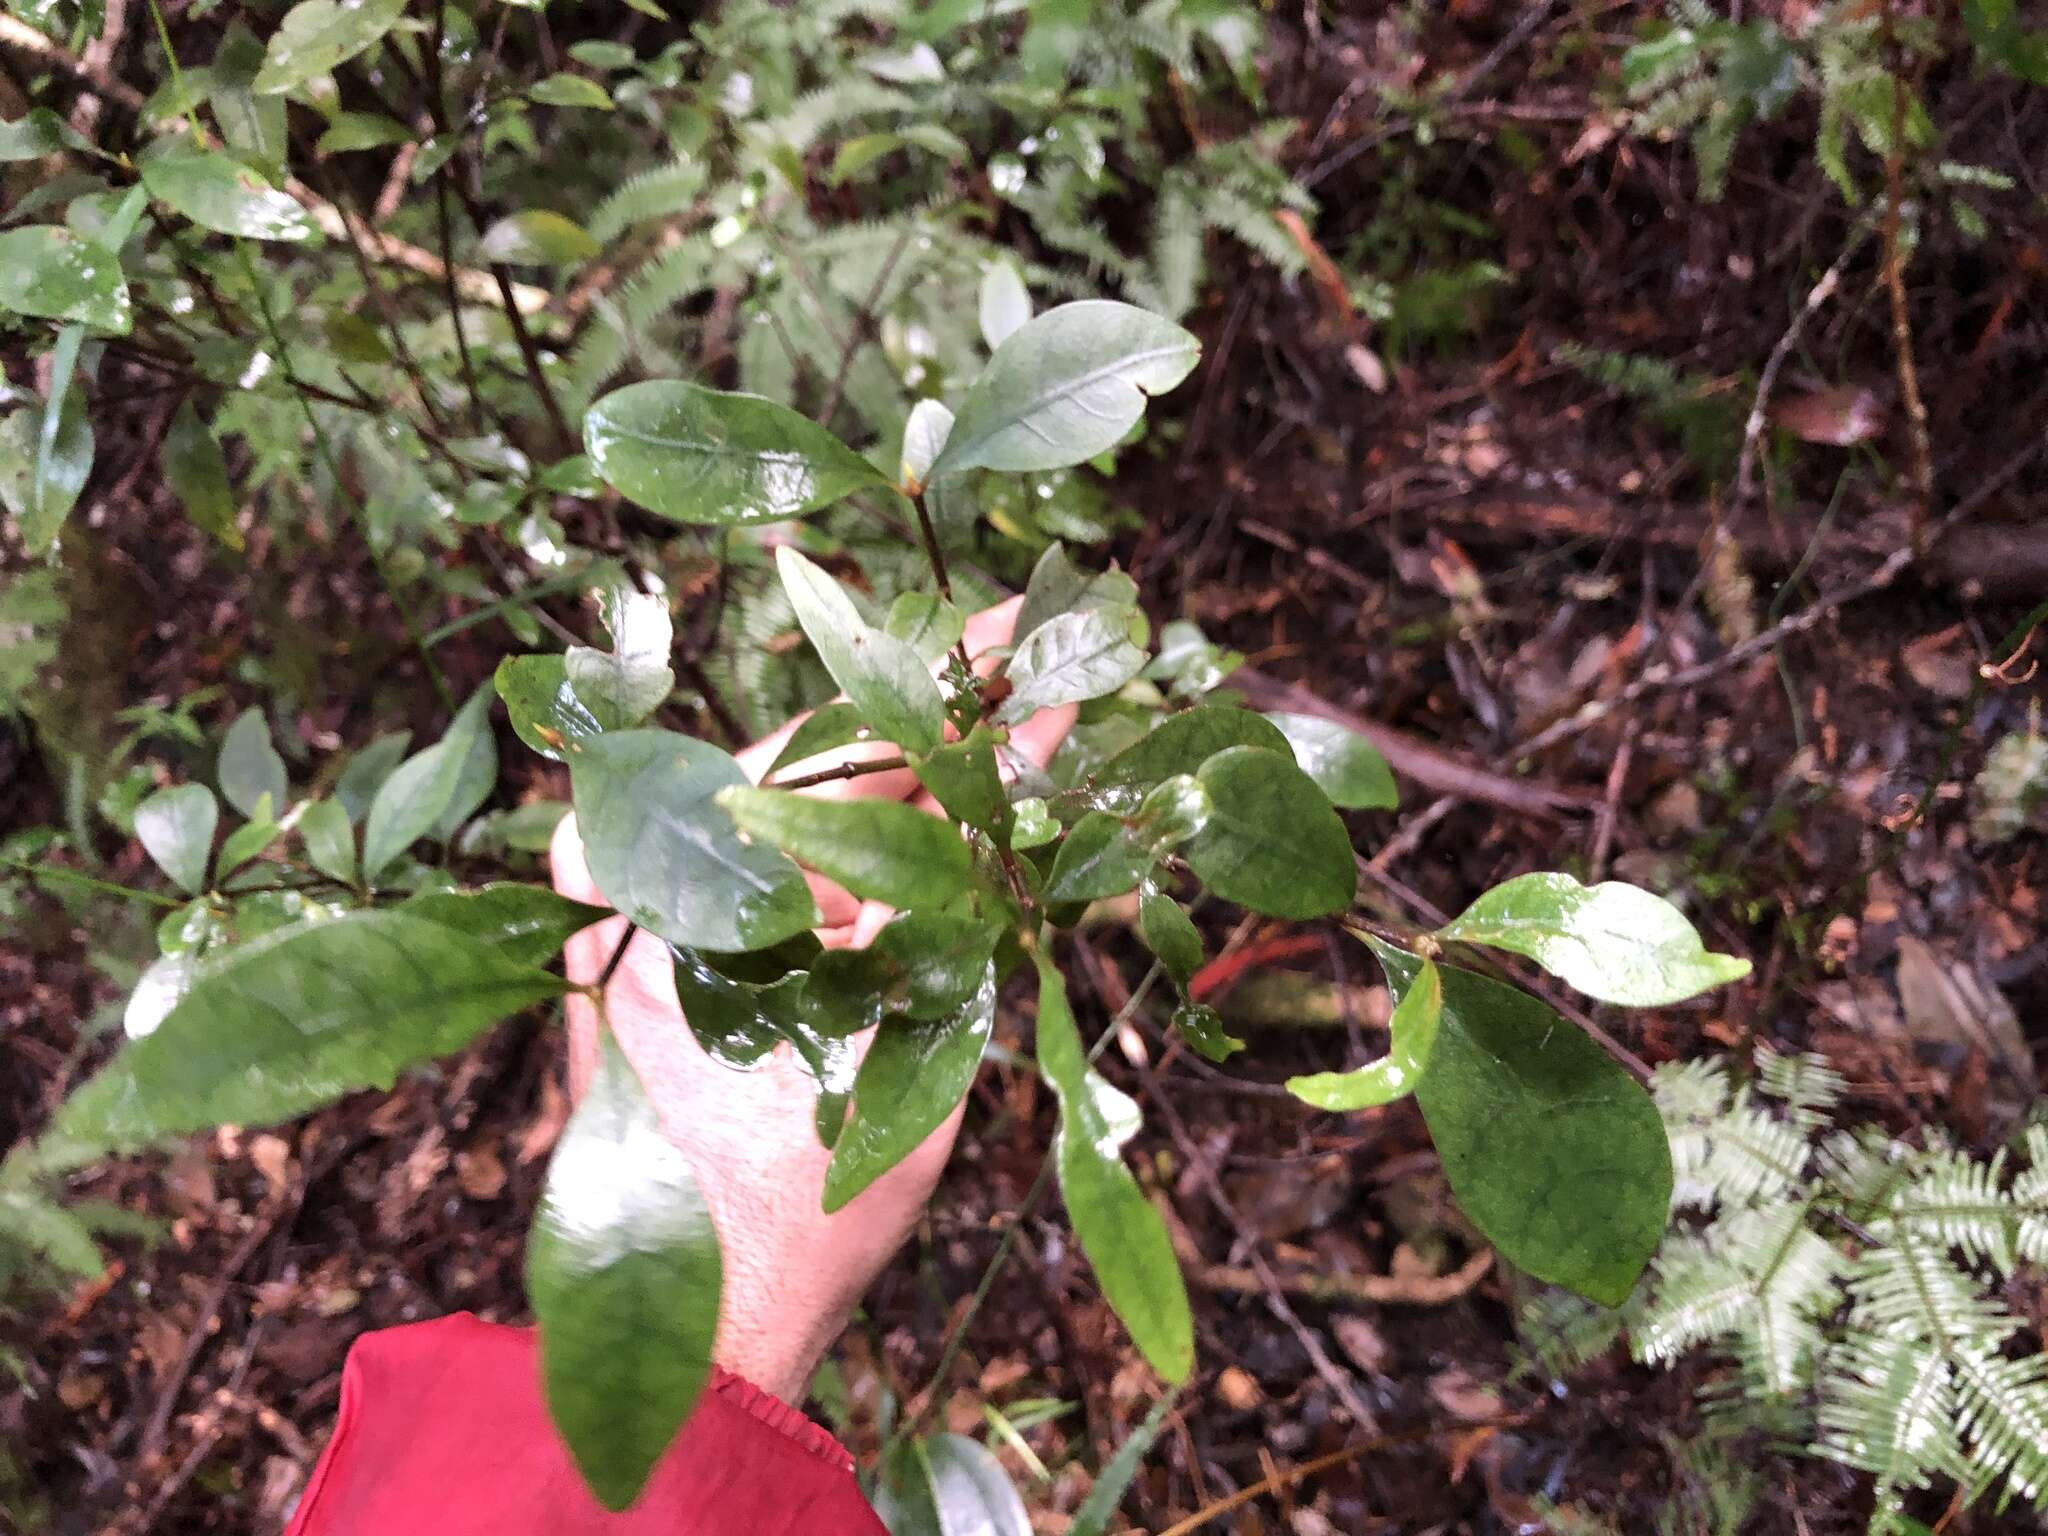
(1889, 1407)
(665, 280)
(1563, 1332)
(1807, 1087)
(2030, 1199)
(661, 192)
(1910, 1289)
(2003, 1410)
(1949, 1200)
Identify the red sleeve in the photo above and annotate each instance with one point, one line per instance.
(442, 1430)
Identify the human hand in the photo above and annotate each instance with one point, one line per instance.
(793, 1274)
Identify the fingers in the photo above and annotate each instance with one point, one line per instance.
(990, 628)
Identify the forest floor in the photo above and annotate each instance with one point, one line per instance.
(1466, 542)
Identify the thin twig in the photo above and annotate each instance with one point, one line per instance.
(1828, 604)
(863, 326)
(1274, 1481)
(1921, 464)
(1333, 1377)
(852, 770)
(1759, 411)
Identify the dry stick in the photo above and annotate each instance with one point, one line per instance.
(921, 1404)
(104, 82)
(1922, 464)
(1274, 1481)
(863, 324)
(1759, 411)
(1522, 31)
(1829, 603)
(1271, 1291)
(354, 229)
(1359, 1290)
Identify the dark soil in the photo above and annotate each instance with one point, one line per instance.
(1469, 556)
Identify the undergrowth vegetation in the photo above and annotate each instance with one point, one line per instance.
(786, 339)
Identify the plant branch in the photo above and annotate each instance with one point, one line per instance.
(853, 770)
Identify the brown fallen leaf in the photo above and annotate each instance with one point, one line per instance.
(1942, 662)
(480, 1173)
(1948, 1001)
(545, 1128)
(1239, 1391)
(1457, 1391)
(1841, 415)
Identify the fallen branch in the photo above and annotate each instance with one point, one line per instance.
(1826, 606)
(1360, 1290)
(1432, 767)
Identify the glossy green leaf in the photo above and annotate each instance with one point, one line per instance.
(330, 840)
(251, 123)
(545, 709)
(566, 90)
(824, 729)
(1612, 941)
(881, 850)
(739, 1022)
(292, 1020)
(964, 778)
(1348, 768)
(1124, 1237)
(160, 988)
(879, 673)
(948, 1485)
(1067, 659)
(217, 193)
(631, 680)
(1412, 1031)
(701, 456)
(349, 131)
(536, 237)
(623, 1270)
(1272, 842)
(937, 960)
(36, 133)
(366, 772)
(527, 923)
(915, 1073)
(1058, 586)
(1556, 1153)
(316, 35)
(1097, 859)
(412, 801)
(1066, 386)
(1182, 743)
(176, 826)
(667, 855)
(249, 767)
(50, 272)
(925, 622)
(44, 465)
(197, 474)
(1202, 1027)
(1005, 303)
(1034, 824)
(245, 843)
(924, 438)
(1171, 935)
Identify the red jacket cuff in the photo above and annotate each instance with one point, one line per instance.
(442, 1429)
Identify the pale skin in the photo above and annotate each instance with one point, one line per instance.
(793, 1274)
